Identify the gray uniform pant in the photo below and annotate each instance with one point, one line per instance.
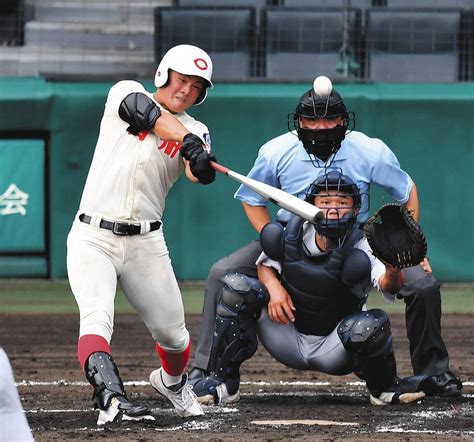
(420, 293)
(303, 352)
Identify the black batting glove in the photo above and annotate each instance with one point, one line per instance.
(192, 146)
(201, 168)
(199, 159)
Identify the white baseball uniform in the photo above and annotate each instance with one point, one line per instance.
(128, 181)
(13, 423)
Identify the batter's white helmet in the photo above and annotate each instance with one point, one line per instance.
(187, 60)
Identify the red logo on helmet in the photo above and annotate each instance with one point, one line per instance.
(201, 64)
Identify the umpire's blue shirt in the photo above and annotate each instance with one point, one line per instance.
(284, 163)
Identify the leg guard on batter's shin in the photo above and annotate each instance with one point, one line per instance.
(109, 392)
(367, 335)
(235, 335)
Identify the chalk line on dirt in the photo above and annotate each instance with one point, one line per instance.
(304, 422)
(61, 382)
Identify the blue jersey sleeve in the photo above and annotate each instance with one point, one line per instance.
(388, 174)
(264, 172)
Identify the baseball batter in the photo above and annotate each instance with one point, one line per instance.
(146, 141)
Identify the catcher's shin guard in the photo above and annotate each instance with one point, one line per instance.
(109, 393)
(235, 337)
(367, 335)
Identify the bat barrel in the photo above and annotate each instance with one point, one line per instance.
(277, 196)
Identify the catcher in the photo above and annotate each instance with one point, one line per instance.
(316, 279)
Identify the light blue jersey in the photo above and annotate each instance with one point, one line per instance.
(283, 163)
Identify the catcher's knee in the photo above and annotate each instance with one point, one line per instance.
(241, 297)
(367, 332)
(235, 337)
(368, 336)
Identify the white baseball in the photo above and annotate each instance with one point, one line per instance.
(322, 85)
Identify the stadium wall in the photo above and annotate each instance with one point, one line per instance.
(429, 127)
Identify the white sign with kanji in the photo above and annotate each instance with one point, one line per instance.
(13, 201)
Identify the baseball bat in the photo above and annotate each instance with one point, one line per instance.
(279, 197)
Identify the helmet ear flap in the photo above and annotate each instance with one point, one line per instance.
(161, 76)
(202, 95)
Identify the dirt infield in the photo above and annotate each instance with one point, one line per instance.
(42, 349)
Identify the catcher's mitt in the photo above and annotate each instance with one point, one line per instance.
(395, 237)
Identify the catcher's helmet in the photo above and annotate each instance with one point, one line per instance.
(321, 142)
(334, 180)
(187, 60)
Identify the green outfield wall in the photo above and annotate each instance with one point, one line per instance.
(54, 127)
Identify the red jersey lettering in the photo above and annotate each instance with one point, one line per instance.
(170, 148)
(142, 135)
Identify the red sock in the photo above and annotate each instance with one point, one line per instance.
(89, 344)
(174, 363)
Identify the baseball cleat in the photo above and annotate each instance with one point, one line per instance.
(403, 391)
(210, 390)
(391, 398)
(224, 397)
(180, 395)
(197, 373)
(120, 409)
(443, 385)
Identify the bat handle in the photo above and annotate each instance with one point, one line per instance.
(218, 167)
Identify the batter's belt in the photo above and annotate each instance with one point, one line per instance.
(119, 228)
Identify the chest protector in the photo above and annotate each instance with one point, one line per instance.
(324, 288)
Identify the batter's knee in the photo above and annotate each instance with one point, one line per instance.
(97, 322)
(173, 339)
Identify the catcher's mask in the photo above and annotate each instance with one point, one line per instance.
(337, 228)
(322, 143)
(187, 60)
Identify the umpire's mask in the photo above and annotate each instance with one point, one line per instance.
(321, 143)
